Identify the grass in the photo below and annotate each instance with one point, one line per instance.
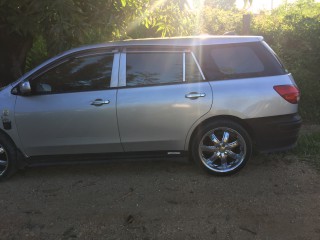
(308, 147)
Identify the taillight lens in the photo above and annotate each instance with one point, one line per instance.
(289, 92)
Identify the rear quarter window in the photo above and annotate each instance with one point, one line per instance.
(236, 61)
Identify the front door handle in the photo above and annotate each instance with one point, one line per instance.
(99, 102)
(195, 95)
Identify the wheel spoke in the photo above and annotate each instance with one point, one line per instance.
(225, 137)
(1, 150)
(212, 159)
(224, 163)
(233, 155)
(3, 163)
(214, 138)
(233, 144)
(205, 148)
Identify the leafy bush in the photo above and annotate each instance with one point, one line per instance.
(217, 21)
(293, 31)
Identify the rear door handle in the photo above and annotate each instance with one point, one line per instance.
(99, 102)
(195, 95)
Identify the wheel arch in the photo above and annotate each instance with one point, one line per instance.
(6, 135)
(21, 163)
(240, 121)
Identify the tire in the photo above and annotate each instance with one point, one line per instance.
(221, 147)
(8, 158)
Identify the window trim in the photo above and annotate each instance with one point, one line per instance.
(115, 71)
(123, 70)
(198, 65)
(183, 67)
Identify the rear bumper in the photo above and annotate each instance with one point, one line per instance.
(277, 133)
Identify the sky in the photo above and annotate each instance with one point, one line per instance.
(258, 5)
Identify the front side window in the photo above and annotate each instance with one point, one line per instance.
(88, 73)
(154, 68)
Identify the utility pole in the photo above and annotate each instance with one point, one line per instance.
(246, 22)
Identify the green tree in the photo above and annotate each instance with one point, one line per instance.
(56, 25)
(217, 21)
(293, 31)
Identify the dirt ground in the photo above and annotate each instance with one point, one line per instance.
(273, 197)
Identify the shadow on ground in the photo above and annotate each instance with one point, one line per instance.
(273, 197)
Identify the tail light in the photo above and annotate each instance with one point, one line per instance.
(289, 92)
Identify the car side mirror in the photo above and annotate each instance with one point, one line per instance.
(25, 88)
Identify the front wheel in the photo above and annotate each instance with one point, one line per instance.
(222, 147)
(7, 158)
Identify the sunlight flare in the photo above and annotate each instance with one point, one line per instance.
(147, 13)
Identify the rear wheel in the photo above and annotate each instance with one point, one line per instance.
(7, 158)
(222, 147)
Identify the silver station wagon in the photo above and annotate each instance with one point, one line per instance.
(212, 99)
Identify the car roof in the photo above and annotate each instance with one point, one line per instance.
(176, 41)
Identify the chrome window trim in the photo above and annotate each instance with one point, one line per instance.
(115, 71)
(184, 66)
(123, 70)
(198, 65)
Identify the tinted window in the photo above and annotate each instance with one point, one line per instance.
(192, 71)
(236, 60)
(154, 68)
(88, 73)
(233, 61)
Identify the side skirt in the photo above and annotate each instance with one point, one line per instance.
(101, 157)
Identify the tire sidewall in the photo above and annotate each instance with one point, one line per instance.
(12, 156)
(218, 124)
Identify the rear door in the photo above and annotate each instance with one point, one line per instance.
(72, 108)
(163, 94)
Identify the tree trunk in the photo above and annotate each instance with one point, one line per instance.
(246, 24)
(13, 53)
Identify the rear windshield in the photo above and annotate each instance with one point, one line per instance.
(234, 61)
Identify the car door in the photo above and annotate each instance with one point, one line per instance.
(72, 108)
(163, 94)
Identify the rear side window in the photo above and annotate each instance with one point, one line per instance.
(234, 61)
(154, 68)
(192, 71)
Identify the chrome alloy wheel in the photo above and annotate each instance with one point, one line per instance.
(3, 160)
(222, 149)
